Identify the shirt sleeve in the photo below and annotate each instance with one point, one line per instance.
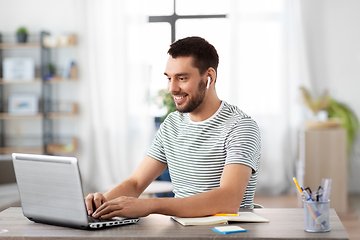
(243, 144)
(157, 150)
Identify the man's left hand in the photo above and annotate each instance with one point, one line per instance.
(123, 207)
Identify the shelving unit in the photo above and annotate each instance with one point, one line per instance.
(19, 45)
(34, 81)
(47, 112)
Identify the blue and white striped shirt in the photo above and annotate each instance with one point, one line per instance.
(196, 152)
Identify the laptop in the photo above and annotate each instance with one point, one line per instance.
(51, 192)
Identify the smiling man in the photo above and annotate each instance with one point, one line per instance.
(212, 148)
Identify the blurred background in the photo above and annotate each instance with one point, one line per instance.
(268, 49)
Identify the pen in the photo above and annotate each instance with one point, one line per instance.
(226, 214)
(304, 197)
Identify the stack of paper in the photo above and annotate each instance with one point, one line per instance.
(211, 220)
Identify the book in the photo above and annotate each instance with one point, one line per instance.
(212, 220)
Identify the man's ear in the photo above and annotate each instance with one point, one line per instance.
(212, 74)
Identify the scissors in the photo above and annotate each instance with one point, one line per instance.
(308, 190)
(319, 193)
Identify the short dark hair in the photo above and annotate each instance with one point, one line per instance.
(204, 54)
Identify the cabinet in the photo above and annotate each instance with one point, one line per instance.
(323, 155)
(37, 132)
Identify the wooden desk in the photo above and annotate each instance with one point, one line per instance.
(285, 223)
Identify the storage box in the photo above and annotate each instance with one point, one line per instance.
(15, 69)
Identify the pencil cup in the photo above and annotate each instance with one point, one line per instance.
(316, 216)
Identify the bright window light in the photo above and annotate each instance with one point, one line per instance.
(256, 57)
(159, 7)
(260, 70)
(202, 7)
(260, 6)
(158, 40)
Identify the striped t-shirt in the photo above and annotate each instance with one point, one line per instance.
(196, 152)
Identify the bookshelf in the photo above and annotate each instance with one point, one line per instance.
(48, 113)
(5, 46)
(19, 81)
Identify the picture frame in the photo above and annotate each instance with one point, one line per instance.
(15, 69)
(23, 104)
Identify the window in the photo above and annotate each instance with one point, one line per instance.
(247, 34)
(165, 28)
(259, 56)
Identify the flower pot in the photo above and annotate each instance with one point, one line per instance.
(21, 38)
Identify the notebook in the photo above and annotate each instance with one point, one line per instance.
(51, 192)
(212, 220)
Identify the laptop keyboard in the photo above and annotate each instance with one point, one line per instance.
(96, 220)
(98, 223)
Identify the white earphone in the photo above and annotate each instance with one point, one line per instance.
(208, 82)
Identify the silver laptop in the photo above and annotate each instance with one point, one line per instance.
(51, 192)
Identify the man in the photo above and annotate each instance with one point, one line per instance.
(212, 148)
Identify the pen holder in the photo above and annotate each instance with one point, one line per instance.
(316, 216)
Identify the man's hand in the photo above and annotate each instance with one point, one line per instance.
(123, 207)
(111, 203)
(93, 201)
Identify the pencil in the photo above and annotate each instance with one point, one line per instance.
(297, 184)
(226, 214)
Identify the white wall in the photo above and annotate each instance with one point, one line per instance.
(333, 38)
(36, 15)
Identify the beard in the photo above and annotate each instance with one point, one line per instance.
(193, 101)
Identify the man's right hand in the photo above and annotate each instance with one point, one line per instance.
(93, 201)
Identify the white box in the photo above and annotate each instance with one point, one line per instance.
(18, 69)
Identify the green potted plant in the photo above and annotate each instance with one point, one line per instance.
(164, 99)
(168, 102)
(336, 111)
(341, 110)
(51, 71)
(21, 34)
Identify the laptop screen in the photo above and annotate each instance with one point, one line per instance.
(50, 189)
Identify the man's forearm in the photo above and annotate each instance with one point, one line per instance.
(147, 171)
(208, 203)
(127, 188)
(225, 199)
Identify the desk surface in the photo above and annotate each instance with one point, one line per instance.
(285, 223)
